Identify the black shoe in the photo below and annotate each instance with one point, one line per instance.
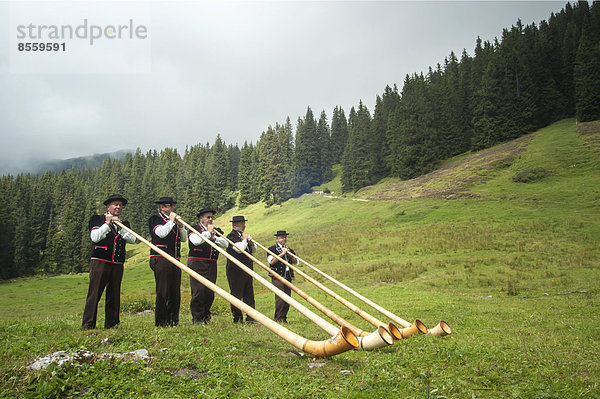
(238, 320)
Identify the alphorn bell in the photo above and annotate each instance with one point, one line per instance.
(342, 342)
(377, 339)
(442, 329)
(396, 333)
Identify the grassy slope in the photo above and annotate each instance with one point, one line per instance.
(426, 258)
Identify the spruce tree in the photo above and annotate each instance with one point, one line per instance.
(324, 145)
(233, 154)
(570, 44)
(347, 159)
(272, 170)
(307, 157)
(339, 134)
(379, 143)
(413, 152)
(41, 204)
(217, 175)
(285, 137)
(357, 163)
(21, 204)
(488, 118)
(133, 192)
(587, 78)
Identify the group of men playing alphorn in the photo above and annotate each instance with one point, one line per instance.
(167, 233)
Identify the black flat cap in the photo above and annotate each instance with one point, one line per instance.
(115, 197)
(205, 210)
(165, 200)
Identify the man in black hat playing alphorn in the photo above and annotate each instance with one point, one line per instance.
(202, 259)
(167, 234)
(240, 282)
(287, 254)
(106, 263)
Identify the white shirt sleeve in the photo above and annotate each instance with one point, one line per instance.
(199, 239)
(127, 236)
(205, 236)
(164, 229)
(241, 246)
(100, 233)
(220, 241)
(291, 261)
(196, 239)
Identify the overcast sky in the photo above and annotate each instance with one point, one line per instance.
(228, 68)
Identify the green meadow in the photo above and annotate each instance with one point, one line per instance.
(504, 245)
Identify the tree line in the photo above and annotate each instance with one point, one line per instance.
(530, 77)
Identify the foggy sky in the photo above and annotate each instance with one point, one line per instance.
(234, 68)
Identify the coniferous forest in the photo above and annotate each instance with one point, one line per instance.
(528, 78)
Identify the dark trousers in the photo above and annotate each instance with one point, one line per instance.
(281, 306)
(168, 291)
(109, 276)
(202, 297)
(241, 287)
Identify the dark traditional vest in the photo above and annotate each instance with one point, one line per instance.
(110, 249)
(279, 266)
(236, 236)
(203, 251)
(171, 243)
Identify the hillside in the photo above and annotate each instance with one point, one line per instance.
(511, 266)
(89, 161)
(454, 178)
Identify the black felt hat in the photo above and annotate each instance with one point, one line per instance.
(165, 200)
(115, 197)
(281, 233)
(238, 219)
(205, 210)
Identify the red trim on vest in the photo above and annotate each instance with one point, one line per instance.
(115, 246)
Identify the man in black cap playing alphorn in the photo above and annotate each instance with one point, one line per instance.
(106, 263)
(202, 259)
(240, 282)
(167, 234)
(287, 254)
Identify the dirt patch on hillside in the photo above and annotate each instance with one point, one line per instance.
(590, 133)
(452, 180)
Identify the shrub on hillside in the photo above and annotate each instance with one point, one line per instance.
(530, 175)
(511, 287)
(136, 305)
